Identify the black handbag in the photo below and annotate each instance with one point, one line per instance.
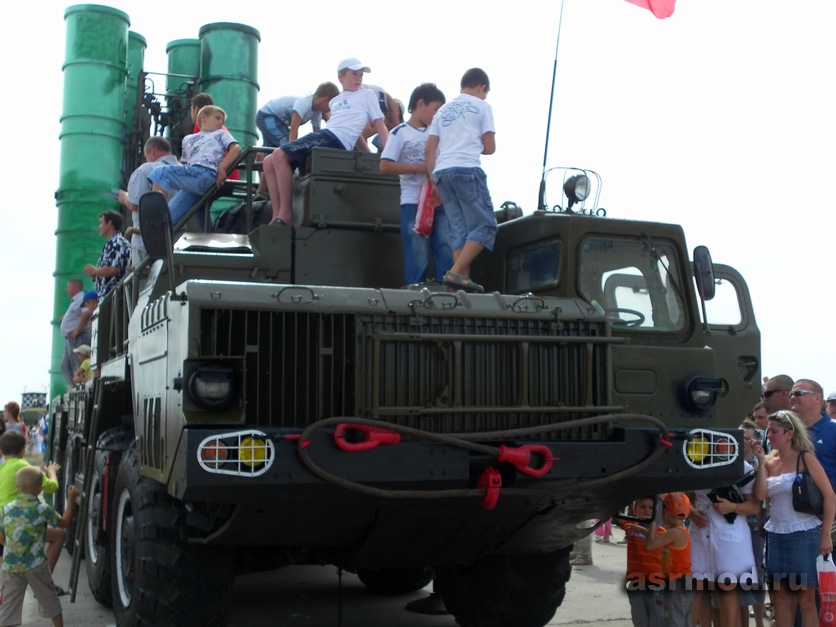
(806, 496)
(732, 493)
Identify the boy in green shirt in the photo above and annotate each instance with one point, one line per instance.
(23, 524)
(13, 445)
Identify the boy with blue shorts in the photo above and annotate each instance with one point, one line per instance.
(279, 120)
(460, 132)
(205, 164)
(404, 156)
(350, 111)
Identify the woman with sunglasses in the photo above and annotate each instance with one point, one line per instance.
(794, 539)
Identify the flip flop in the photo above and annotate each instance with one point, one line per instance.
(459, 282)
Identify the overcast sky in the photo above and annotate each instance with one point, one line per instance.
(719, 118)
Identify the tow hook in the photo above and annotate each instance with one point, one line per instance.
(373, 436)
(520, 458)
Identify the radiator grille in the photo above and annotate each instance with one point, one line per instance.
(451, 374)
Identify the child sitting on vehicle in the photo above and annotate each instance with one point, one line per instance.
(204, 164)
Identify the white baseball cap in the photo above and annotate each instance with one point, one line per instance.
(352, 64)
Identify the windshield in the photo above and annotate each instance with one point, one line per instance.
(635, 282)
(534, 268)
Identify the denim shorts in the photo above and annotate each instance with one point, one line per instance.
(791, 557)
(299, 149)
(273, 133)
(468, 204)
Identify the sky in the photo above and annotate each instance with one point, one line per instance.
(719, 118)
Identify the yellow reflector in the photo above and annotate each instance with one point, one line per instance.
(253, 451)
(698, 449)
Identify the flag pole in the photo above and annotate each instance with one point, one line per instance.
(541, 204)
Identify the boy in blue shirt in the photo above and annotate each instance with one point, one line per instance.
(404, 156)
(460, 132)
(23, 524)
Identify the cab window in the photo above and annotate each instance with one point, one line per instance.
(534, 268)
(636, 282)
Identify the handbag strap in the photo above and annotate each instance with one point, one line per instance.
(798, 462)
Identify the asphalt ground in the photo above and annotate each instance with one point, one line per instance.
(317, 596)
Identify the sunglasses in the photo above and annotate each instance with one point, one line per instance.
(768, 393)
(798, 393)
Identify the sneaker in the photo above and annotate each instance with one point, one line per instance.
(622, 541)
(581, 561)
(432, 605)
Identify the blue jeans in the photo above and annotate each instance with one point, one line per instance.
(417, 248)
(191, 183)
(464, 192)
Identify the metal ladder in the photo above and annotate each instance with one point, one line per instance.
(81, 502)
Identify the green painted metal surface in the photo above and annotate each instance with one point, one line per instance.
(232, 78)
(183, 64)
(92, 136)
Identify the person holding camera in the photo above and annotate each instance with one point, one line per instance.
(721, 549)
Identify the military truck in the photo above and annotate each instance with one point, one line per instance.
(276, 396)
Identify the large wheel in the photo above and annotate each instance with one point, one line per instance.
(158, 577)
(395, 580)
(97, 534)
(506, 590)
(96, 545)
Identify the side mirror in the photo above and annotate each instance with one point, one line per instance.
(155, 224)
(704, 272)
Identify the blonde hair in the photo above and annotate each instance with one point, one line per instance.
(209, 110)
(800, 438)
(29, 480)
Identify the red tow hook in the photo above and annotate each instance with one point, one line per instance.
(373, 435)
(491, 480)
(520, 457)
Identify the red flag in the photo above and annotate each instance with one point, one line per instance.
(659, 8)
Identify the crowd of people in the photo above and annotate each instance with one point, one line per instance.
(31, 533)
(742, 542)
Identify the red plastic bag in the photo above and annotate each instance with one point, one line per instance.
(827, 590)
(426, 210)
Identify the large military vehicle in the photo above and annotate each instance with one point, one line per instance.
(276, 396)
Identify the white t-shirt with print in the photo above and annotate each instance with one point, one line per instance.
(406, 145)
(459, 126)
(350, 111)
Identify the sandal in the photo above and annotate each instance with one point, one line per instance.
(459, 282)
(278, 222)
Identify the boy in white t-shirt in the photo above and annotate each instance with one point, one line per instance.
(462, 130)
(404, 156)
(350, 111)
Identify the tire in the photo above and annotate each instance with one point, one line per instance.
(396, 580)
(506, 590)
(96, 538)
(158, 577)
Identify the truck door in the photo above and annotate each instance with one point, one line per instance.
(735, 338)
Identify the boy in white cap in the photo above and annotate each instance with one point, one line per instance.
(350, 111)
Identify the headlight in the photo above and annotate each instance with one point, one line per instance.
(700, 393)
(211, 387)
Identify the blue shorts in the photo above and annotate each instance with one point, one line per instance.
(273, 133)
(299, 149)
(791, 557)
(468, 204)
